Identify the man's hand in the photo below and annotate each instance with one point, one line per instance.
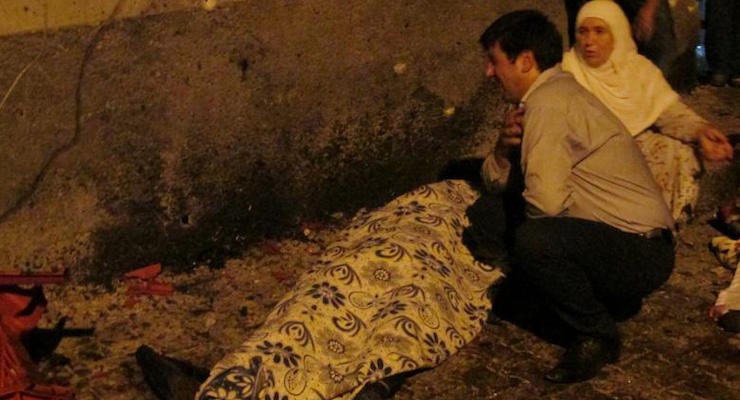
(511, 135)
(714, 144)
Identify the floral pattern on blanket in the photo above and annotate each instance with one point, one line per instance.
(398, 292)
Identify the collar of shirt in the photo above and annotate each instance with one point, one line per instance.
(544, 77)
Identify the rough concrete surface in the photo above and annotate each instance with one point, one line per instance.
(35, 15)
(182, 137)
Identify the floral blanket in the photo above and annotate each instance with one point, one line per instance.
(398, 292)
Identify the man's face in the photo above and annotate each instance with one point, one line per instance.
(507, 72)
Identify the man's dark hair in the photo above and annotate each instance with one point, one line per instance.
(523, 30)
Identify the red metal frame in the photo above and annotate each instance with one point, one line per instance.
(20, 311)
(36, 279)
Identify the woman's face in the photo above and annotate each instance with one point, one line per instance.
(594, 41)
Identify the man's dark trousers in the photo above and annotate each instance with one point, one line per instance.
(583, 269)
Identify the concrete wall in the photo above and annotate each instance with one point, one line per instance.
(184, 136)
(18, 16)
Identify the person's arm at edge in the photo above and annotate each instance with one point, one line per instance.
(682, 123)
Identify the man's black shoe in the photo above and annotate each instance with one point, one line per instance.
(584, 359)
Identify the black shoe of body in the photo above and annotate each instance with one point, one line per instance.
(584, 359)
(169, 379)
(373, 392)
(385, 388)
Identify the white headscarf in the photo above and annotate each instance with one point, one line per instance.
(630, 85)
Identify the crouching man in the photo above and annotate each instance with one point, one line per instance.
(597, 231)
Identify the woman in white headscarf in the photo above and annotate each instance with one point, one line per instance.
(605, 61)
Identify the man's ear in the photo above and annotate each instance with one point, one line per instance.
(527, 61)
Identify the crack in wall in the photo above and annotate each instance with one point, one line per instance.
(36, 182)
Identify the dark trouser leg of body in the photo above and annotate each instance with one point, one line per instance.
(485, 235)
(581, 266)
(494, 219)
(514, 204)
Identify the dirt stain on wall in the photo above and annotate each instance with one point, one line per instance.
(204, 132)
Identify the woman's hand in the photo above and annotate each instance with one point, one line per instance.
(714, 144)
